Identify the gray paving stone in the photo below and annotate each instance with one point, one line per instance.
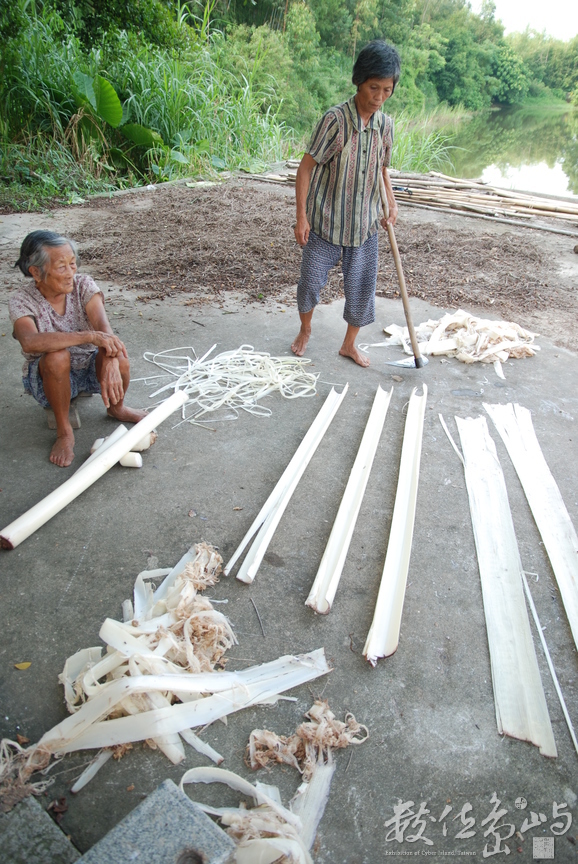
(28, 835)
(167, 827)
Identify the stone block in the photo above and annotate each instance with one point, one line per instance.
(28, 834)
(166, 827)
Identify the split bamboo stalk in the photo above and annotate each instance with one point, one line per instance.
(493, 203)
(29, 522)
(326, 582)
(503, 221)
(514, 424)
(383, 637)
(270, 514)
(520, 703)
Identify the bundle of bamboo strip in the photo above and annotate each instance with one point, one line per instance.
(450, 193)
(436, 191)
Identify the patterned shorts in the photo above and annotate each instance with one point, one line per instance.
(359, 265)
(81, 381)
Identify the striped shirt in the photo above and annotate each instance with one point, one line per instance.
(343, 202)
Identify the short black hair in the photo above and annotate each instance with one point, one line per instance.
(32, 251)
(377, 60)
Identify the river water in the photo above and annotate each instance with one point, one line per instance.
(529, 149)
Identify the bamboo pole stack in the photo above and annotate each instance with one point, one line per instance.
(470, 196)
(450, 193)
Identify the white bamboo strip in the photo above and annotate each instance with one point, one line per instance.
(201, 746)
(285, 479)
(326, 582)
(102, 704)
(311, 798)
(451, 440)
(383, 637)
(549, 661)
(520, 704)
(256, 684)
(38, 515)
(239, 784)
(514, 423)
(172, 576)
(99, 760)
(270, 514)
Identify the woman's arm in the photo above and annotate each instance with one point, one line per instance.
(302, 182)
(111, 386)
(98, 318)
(392, 203)
(33, 342)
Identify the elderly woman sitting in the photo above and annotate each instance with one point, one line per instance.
(66, 337)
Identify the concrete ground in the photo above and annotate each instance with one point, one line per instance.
(433, 741)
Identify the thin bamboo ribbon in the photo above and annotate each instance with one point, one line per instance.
(235, 380)
(29, 522)
(400, 277)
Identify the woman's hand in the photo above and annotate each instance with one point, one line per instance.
(302, 229)
(110, 343)
(111, 388)
(392, 213)
(302, 181)
(391, 218)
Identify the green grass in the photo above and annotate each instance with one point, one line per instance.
(417, 147)
(42, 173)
(211, 110)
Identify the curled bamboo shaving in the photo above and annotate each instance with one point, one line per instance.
(266, 833)
(311, 743)
(192, 639)
(152, 683)
(266, 830)
(468, 338)
(233, 380)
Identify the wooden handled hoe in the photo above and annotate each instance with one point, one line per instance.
(418, 361)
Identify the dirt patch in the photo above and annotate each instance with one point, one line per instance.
(205, 243)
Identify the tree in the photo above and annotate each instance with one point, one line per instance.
(510, 74)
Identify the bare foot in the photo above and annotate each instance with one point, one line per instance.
(62, 453)
(355, 355)
(300, 344)
(124, 414)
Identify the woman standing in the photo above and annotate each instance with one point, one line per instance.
(338, 198)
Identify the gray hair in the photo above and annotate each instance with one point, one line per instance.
(33, 250)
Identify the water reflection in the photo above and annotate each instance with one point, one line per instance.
(535, 149)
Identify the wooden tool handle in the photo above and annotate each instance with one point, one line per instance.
(400, 277)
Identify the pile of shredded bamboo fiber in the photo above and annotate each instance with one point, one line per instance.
(157, 681)
(468, 338)
(310, 744)
(233, 380)
(269, 831)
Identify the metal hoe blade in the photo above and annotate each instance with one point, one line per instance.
(408, 362)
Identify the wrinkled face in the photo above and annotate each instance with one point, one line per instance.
(59, 270)
(372, 94)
